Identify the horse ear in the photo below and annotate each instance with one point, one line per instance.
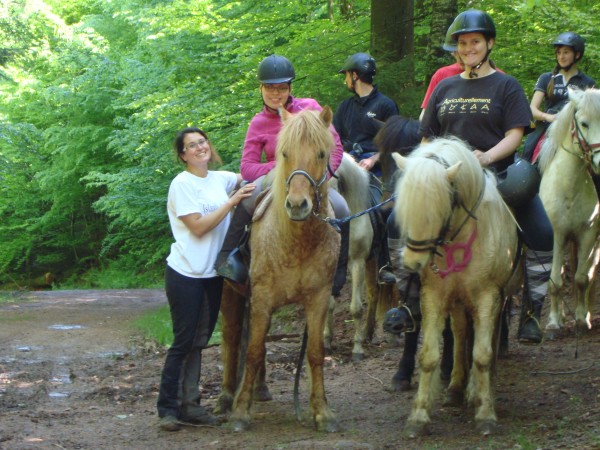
(575, 94)
(283, 113)
(400, 160)
(453, 170)
(326, 115)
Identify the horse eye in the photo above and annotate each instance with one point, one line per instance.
(585, 125)
(321, 154)
(284, 155)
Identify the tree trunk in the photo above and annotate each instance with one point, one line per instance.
(442, 15)
(392, 29)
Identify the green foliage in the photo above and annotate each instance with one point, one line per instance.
(156, 326)
(93, 93)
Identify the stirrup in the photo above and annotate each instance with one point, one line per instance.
(531, 338)
(386, 276)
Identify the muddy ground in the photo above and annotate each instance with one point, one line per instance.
(74, 375)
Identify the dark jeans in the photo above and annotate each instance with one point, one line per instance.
(194, 305)
(537, 229)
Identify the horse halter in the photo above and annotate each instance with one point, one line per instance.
(431, 245)
(315, 185)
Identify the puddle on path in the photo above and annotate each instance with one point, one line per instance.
(59, 326)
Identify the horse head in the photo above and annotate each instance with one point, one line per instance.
(585, 124)
(426, 199)
(303, 147)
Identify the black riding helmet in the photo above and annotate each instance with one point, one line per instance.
(449, 43)
(472, 21)
(361, 63)
(573, 40)
(521, 183)
(275, 69)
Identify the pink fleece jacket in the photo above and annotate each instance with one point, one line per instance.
(262, 138)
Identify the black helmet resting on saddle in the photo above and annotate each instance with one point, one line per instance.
(519, 183)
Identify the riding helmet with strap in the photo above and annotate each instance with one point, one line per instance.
(275, 69)
(520, 184)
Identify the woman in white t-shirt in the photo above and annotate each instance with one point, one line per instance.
(198, 206)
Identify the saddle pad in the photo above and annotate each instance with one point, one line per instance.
(262, 203)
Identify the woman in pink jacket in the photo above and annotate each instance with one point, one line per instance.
(275, 74)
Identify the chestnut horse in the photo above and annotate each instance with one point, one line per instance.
(570, 166)
(294, 256)
(461, 238)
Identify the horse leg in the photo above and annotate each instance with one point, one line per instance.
(583, 282)
(480, 386)
(373, 293)
(232, 313)
(328, 330)
(401, 380)
(255, 357)
(429, 358)
(324, 418)
(458, 378)
(357, 271)
(556, 316)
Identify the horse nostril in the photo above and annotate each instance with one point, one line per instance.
(304, 204)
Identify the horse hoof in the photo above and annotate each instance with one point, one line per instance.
(551, 334)
(454, 398)
(357, 357)
(414, 430)
(262, 394)
(328, 426)
(239, 425)
(486, 427)
(400, 385)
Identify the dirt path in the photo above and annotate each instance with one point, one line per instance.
(72, 377)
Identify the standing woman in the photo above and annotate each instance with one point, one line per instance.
(489, 110)
(198, 207)
(551, 87)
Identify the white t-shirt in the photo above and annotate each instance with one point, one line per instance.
(192, 256)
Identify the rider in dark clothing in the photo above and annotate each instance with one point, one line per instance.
(357, 121)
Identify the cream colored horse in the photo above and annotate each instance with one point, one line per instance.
(569, 161)
(294, 256)
(462, 240)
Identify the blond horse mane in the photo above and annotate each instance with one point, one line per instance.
(304, 142)
(353, 183)
(559, 133)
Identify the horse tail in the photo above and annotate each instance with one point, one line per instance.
(353, 184)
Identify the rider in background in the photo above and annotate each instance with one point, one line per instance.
(489, 110)
(275, 75)
(357, 121)
(551, 88)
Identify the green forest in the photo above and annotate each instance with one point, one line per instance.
(93, 92)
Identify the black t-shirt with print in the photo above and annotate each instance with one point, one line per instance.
(478, 110)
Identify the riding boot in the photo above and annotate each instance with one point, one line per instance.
(191, 410)
(230, 262)
(386, 268)
(341, 271)
(538, 265)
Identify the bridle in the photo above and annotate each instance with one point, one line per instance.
(431, 245)
(316, 185)
(587, 150)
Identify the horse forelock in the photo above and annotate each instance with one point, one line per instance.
(303, 143)
(424, 193)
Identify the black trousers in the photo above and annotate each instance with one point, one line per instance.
(194, 305)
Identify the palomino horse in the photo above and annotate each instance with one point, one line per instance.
(570, 165)
(461, 238)
(353, 182)
(294, 256)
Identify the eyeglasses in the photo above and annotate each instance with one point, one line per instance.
(281, 88)
(195, 145)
